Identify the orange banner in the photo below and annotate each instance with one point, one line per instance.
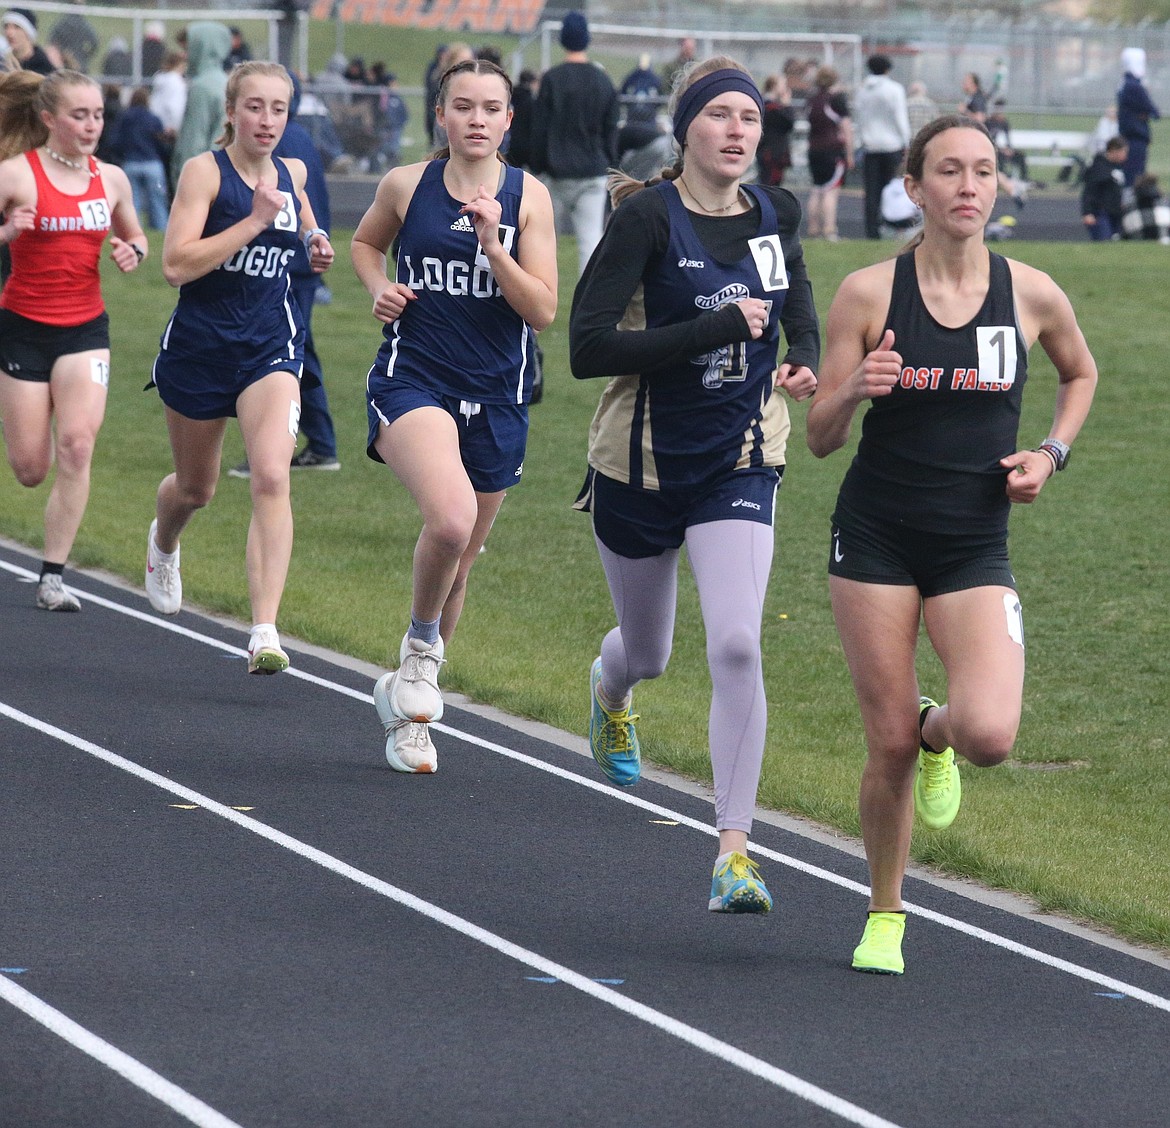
(515, 16)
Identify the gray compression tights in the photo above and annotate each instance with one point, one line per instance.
(730, 561)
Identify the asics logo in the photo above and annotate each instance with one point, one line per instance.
(696, 264)
(745, 503)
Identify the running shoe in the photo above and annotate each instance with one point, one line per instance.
(53, 595)
(938, 790)
(880, 950)
(264, 653)
(613, 739)
(737, 887)
(242, 470)
(309, 459)
(408, 743)
(413, 692)
(164, 585)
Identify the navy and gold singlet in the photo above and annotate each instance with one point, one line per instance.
(644, 432)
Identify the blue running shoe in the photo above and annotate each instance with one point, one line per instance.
(737, 887)
(612, 737)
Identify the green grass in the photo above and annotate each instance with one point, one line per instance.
(1077, 819)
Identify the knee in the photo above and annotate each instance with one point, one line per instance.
(194, 495)
(269, 482)
(75, 450)
(450, 532)
(734, 652)
(985, 744)
(30, 472)
(648, 664)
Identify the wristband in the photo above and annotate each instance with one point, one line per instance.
(310, 233)
(1057, 451)
(138, 251)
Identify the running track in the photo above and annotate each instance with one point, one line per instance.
(221, 908)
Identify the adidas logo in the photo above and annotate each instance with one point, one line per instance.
(463, 223)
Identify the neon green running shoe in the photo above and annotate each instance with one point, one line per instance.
(613, 739)
(880, 950)
(737, 887)
(938, 790)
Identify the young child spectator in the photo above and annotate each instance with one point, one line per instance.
(1101, 197)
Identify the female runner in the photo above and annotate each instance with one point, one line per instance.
(60, 205)
(234, 344)
(682, 306)
(938, 339)
(475, 278)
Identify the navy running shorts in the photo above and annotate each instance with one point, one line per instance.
(29, 349)
(879, 552)
(492, 436)
(198, 390)
(638, 523)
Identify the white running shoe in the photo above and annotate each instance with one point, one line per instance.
(53, 595)
(408, 743)
(264, 653)
(164, 585)
(414, 691)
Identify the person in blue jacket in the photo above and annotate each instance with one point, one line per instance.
(1135, 111)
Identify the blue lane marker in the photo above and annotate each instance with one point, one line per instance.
(13, 970)
(552, 979)
(1109, 995)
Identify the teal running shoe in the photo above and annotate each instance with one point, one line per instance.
(880, 950)
(737, 887)
(613, 739)
(938, 789)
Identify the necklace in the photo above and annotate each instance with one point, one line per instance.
(78, 165)
(710, 211)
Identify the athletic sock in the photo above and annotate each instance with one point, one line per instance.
(428, 632)
(921, 721)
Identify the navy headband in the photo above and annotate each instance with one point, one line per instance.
(698, 94)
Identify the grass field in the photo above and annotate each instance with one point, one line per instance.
(1076, 820)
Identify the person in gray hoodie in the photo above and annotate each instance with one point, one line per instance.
(208, 45)
(883, 130)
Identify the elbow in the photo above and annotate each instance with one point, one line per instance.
(544, 318)
(173, 275)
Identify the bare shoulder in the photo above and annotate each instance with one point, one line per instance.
(200, 172)
(297, 170)
(1035, 292)
(401, 181)
(114, 176)
(869, 286)
(16, 174)
(536, 187)
(535, 197)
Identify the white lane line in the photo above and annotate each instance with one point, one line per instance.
(953, 923)
(829, 876)
(691, 1035)
(121, 1063)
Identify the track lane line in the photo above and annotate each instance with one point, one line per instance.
(699, 1039)
(953, 923)
(139, 1075)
